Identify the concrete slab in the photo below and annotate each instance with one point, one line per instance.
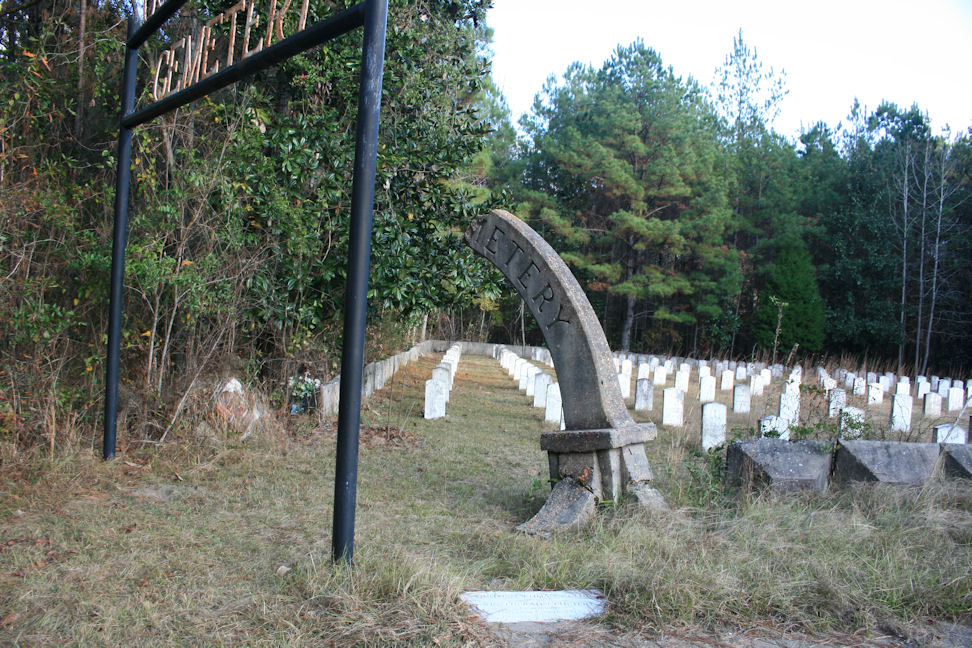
(781, 465)
(957, 460)
(889, 462)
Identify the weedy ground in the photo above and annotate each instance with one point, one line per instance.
(230, 544)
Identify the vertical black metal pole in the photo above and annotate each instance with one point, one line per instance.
(356, 292)
(123, 180)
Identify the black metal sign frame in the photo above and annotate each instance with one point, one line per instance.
(372, 15)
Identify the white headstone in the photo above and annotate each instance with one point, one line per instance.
(949, 433)
(836, 401)
(707, 389)
(774, 426)
(875, 395)
(933, 404)
(727, 380)
(535, 607)
(956, 398)
(644, 395)
(624, 382)
(661, 376)
(860, 386)
(790, 408)
(851, 422)
(435, 398)
(767, 376)
(672, 407)
(755, 385)
(901, 413)
(644, 370)
(713, 425)
(704, 371)
(532, 374)
(540, 385)
(943, 386)
(627, 367)
(441, 373)
(740, 399)
(740, 373)
(553, 408)
(923, 388)
(792, 386)
(682, 380)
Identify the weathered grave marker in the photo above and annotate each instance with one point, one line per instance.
(707, 389)
(436, 393)
(740, 399)
(713, 425)
(851, 422)
(933, 404)
(540, 386)
(901, 413)
(949, 433)
(725, 384)
(673, 407)
(790, 408)
(644, 395)
(836, 401)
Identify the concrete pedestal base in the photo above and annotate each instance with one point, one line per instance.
(592, 466)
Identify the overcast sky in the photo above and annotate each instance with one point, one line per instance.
(905, 51)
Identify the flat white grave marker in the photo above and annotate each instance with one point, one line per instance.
(538, 607)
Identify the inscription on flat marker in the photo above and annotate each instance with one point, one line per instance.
(538, 607)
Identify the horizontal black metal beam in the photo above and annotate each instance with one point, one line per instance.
(316, 34)
(153, 22)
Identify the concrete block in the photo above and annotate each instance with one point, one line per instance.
(889, 462)
(781, 465)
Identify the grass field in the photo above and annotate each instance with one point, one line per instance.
(228, 545)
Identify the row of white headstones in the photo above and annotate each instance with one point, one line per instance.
(654, 371)
(438, 388)
(535, 382)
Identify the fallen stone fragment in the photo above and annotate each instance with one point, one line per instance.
(568, 506)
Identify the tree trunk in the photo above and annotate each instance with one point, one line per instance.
(904, 258)
(921, 257)
(629, 300)
(80, 106)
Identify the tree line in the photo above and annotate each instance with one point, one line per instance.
(695, 227)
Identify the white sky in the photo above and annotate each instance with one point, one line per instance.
(832, 51)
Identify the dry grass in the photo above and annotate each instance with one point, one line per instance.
(231, 545)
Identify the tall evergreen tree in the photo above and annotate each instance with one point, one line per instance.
(631, 179)
(792, 287)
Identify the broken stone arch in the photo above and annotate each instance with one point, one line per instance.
(601, 453)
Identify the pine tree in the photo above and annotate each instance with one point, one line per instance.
(792, 284)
